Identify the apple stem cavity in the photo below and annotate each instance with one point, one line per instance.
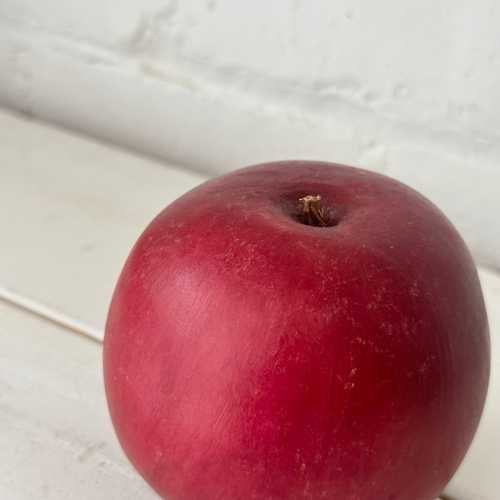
(313, 206)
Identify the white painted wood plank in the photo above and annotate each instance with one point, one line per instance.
(56, 439)
(71, 209)
(478, 477)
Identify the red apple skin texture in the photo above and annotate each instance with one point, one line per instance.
(248, 356)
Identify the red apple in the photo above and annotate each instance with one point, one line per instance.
(251, 355)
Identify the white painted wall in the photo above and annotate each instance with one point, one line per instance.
(411, 89)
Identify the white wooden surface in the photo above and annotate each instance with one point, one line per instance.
(70, 210)
(56, 439)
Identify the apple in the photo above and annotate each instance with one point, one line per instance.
(298, 330)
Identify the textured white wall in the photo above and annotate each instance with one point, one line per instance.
(411, 89)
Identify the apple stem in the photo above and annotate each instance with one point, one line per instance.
(313, 204)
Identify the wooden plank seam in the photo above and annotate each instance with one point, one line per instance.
(50, 313)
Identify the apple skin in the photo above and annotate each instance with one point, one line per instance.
(249, 356)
